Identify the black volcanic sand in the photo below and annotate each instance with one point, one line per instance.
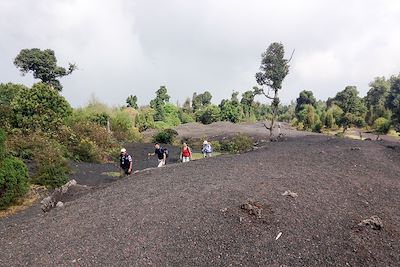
(189, 214)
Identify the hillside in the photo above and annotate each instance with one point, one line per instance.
(190, 214)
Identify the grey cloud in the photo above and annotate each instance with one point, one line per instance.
(127, 47)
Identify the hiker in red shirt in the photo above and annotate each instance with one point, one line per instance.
(186, 153)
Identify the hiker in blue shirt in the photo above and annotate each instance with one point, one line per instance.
(207, 149)
(162, 154)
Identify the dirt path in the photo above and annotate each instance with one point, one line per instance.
(190, 215)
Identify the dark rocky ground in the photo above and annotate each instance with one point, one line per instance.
(190, 215)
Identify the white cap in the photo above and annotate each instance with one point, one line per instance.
(205, 142)
(123, 150)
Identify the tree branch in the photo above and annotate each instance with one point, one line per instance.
(291, 56)
(268, 128)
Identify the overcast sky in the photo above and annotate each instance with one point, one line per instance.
(124, 47)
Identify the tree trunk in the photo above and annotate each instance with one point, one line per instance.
(274, 106)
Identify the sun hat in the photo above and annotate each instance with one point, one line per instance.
(123, 150)
(205, 142)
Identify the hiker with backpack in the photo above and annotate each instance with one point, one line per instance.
(162, 154)
(125, 162)
(186, 153)
(207, 149)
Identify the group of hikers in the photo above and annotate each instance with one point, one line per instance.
(126, 162)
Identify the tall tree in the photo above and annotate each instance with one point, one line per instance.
(393, 101)
(305, 98)
(274, 68)
(247, 103)
(131, 102)
(43, 65)
(158, 103)
(201, 100)
(352, 105)
(375, 99)
(231, 110)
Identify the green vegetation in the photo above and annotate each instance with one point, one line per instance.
(238, 144)
(274, 69)
(43, 65)
(42, 126)
(166, 136)
(13, 176)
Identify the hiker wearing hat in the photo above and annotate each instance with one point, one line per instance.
(206, 150)
(125, 162)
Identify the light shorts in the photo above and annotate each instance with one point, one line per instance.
(161, 162)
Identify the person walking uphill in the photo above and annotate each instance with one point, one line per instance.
(186, 153)
(207, 149)
(125, 162)
(162, 154)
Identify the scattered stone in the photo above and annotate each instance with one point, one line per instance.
(278, 236)
(374, 221)
(355, 148)
(51, 201)
(223, 210)
(59, 204)
(253, 208)
(290, 194)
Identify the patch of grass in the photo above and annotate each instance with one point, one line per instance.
(111, 174)
(197, 156)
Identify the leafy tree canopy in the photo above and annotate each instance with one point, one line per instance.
(40, 108)
(43, 65)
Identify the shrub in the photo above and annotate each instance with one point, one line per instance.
(145, 119)
(300, 126)
(13, 180)
(186, 117)
(216, 145)
(40, 108)
(381, 126)
(51, 167)
(317, 127)
(166, 136)
(208, 115)
(52, 173)
(359, 122)
(2, 143)
(87, 151)
(122, 125)
(239, 143)
(160, 125)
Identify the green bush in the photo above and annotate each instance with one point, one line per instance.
(381, 126)
(186, 117)
(13, 180)
(359, 122)
(48, 156)
(40, 108)
(145, 119)
(52, 174)
(87, 151)
(2, 143)
(166, 136)
(160, 125)
(216, 145)
(208, 115)
(239, 143)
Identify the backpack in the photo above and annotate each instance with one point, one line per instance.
(166, 152)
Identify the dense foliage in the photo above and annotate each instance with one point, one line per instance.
(13, 175)
(166, 136)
